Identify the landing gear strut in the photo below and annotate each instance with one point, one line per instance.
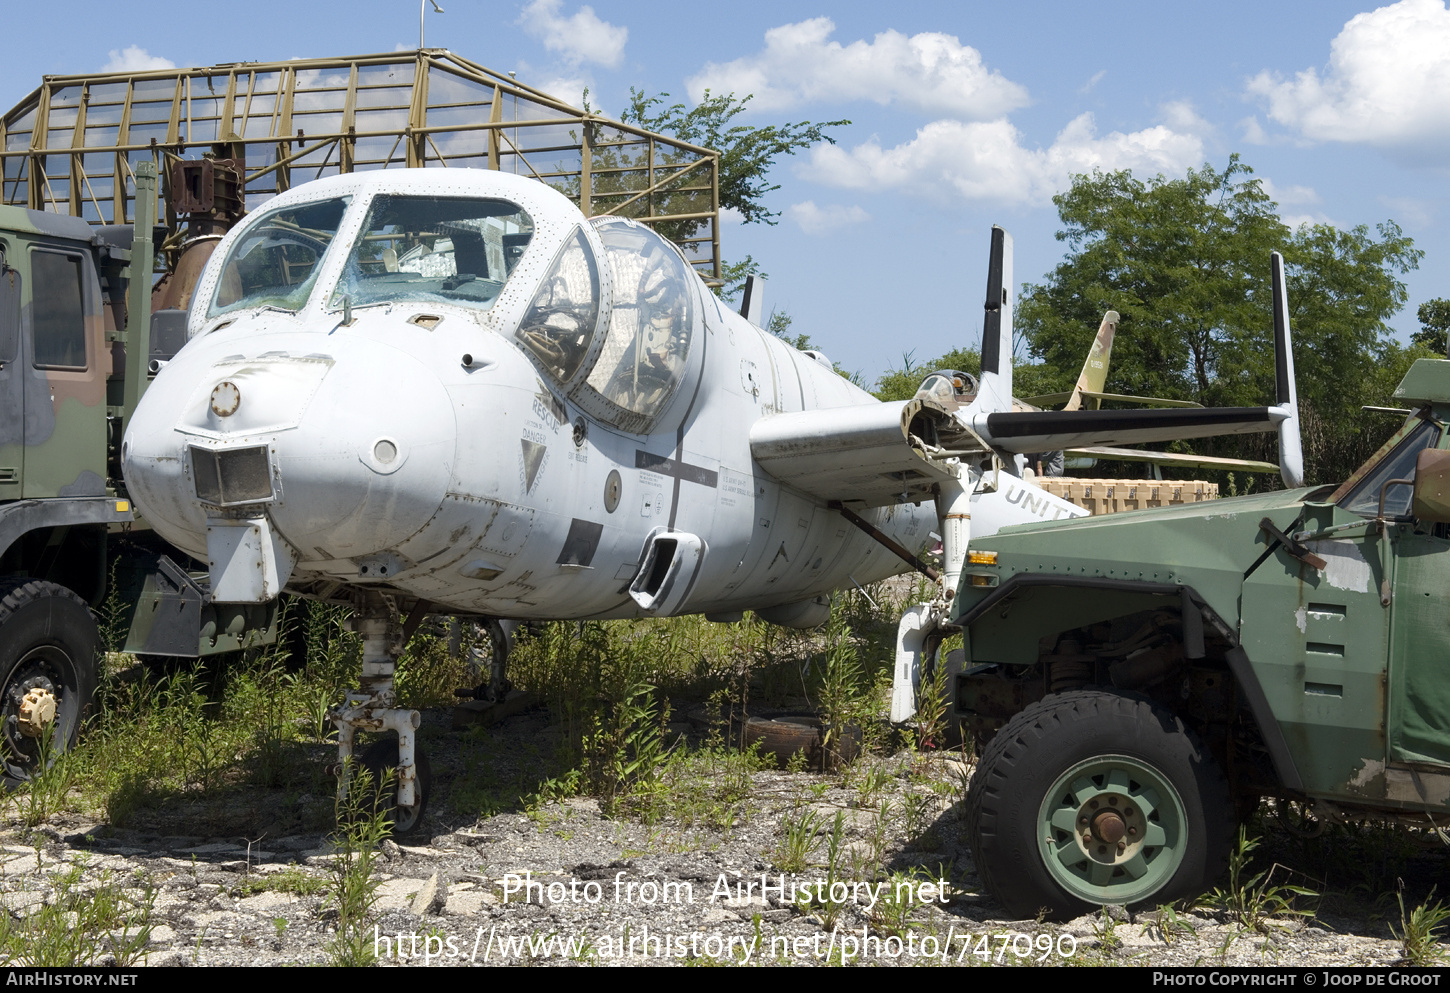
(495, 687)
(373, 707)
(922, 627)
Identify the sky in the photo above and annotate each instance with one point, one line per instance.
(963, 115)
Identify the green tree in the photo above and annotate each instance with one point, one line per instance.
(746, 153)
(1186, 264)
(901, 384)
(1434, 318)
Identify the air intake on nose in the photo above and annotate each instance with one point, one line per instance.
(231, 476)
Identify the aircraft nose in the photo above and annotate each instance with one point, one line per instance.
(370, 463)
(349, 450)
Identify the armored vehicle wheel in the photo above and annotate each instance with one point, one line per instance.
(48, 651)
(380, 759)
(1091, 798)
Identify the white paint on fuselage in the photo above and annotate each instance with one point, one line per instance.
(477, 515)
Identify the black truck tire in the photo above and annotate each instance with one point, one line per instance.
(1093, 797)
(49, 647)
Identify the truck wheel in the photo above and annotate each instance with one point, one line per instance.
(48, 650)
(1092, 797)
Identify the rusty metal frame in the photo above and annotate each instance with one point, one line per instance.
(260, 112)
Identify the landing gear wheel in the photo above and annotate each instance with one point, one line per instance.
(48, 650)
(381, 758)
(1090, 798)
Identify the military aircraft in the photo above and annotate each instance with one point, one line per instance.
(448, 391)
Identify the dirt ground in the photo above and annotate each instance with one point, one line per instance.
(251, 881)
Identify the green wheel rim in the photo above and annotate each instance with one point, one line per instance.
(1112, 830)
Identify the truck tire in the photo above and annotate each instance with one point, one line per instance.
(48, 651)
(1093, 797)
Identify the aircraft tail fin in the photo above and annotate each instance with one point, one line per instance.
(1291, 449)
(752, 302)
(1094, 375)
(995, 387)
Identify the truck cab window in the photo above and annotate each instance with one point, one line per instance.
(9, 314)
(1364, 499)
(59, 310)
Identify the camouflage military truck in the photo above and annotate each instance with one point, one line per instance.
(68, 539)
(1143, 679)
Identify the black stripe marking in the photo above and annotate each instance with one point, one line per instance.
(679, 470)
(581, 544)
(1047, 422)
(1281, 330)
(704, 338)
(992, 324)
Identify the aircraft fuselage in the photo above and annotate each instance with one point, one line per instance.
(374, 425)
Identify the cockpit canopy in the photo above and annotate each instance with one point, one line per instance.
(614, 333)
(948, 387)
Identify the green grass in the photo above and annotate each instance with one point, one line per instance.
(1420, 930)
(79, 922)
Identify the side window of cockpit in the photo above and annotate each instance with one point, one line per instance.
(560, 321)
(644, 353)
(58, 309)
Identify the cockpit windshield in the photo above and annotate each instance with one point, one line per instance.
(276, 260)
(455, 250)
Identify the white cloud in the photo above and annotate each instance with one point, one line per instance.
(569, 89)
(1097, 78)
(1253, 132)
(1297, 221)
(134, 58)
(1181, 116)
(1387, 82)
(987, 160)
(1290, 194)
(824, 220)
(731, 215)
(582, 37)
(799, 64)
(1413, 211)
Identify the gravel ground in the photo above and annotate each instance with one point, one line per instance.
(561, 884)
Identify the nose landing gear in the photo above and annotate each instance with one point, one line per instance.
(373, 707)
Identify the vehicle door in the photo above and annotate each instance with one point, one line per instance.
(65, 411)
(1418, 721)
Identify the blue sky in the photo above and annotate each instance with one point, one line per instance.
(964, 115)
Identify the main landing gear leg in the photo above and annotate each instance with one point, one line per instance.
(500, 635)
(923, 627)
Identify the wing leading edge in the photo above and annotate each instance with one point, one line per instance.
(871, 455)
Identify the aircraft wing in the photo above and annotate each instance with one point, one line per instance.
(868, 455)
(1048, 399)
(1047, 430)
(1171, 458)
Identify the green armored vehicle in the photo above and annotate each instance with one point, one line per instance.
(1142, 679)
(68, 536)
